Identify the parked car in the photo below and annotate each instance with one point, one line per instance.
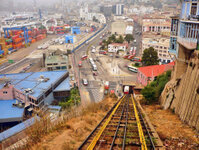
(103, 52)
(85, 82)
(117, 56)
(137, 59)
(130, 57)
(84, 57)
(93, 50)
(39, 47)
(93, 47)
(126, 56)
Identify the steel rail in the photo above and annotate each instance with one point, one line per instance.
(152, 143)
(141, 134)
(81, 146)
(126, 123)
(115, 135)
(96, 138)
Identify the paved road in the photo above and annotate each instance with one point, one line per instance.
(19, 57)
(96, 82)
(138, 37)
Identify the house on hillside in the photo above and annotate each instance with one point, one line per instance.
(147, 74)
(114, 47)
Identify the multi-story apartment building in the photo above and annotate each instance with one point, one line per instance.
(188, 30)
(118, 9)
(156, 25)
(161, 45)
(173, 36)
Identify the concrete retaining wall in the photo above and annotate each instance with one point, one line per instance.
(182, 94)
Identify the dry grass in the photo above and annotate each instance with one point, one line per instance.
(75, 125)
(170, 128)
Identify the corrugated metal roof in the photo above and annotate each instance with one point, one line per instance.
(64, 86)
(10, 113)
(22, 81)
(18, 128)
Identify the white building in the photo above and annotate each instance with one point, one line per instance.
(161, 45)
(129, 30)
(114, 47)
(84, 14)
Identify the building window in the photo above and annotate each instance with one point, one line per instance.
(193, 8)
(5, 92)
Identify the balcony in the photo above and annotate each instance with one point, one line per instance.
(188, 43)
(172, 51)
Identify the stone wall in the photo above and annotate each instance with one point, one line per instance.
(181, 94)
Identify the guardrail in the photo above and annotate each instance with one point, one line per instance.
(88, 39)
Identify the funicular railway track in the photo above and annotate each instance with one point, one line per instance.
(122, 128)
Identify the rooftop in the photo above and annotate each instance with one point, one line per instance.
(64, 86)
(18, 128)
(155, 70)
(34, 80)
(56, 59)
(10, 113)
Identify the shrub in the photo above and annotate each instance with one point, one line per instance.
(137, 64)
(74, 99)
(153, 91)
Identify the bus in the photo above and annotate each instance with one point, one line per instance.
(126, 90)
(133, 69)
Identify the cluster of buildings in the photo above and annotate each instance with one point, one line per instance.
(21, 93)
(156, 34)
(86, 15)
(179, 46)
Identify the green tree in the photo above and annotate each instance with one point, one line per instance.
(129, 38)
(74, 99)
(120, 39)
(153, 91)
(150, 57)
(112, 38)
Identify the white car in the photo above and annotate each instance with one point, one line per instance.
(39, 47)
(93, 50)
(85, 82)
(134, 41)
(93, 47)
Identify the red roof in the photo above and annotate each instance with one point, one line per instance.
(155, 70)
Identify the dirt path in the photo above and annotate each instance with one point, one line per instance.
(172, 131)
